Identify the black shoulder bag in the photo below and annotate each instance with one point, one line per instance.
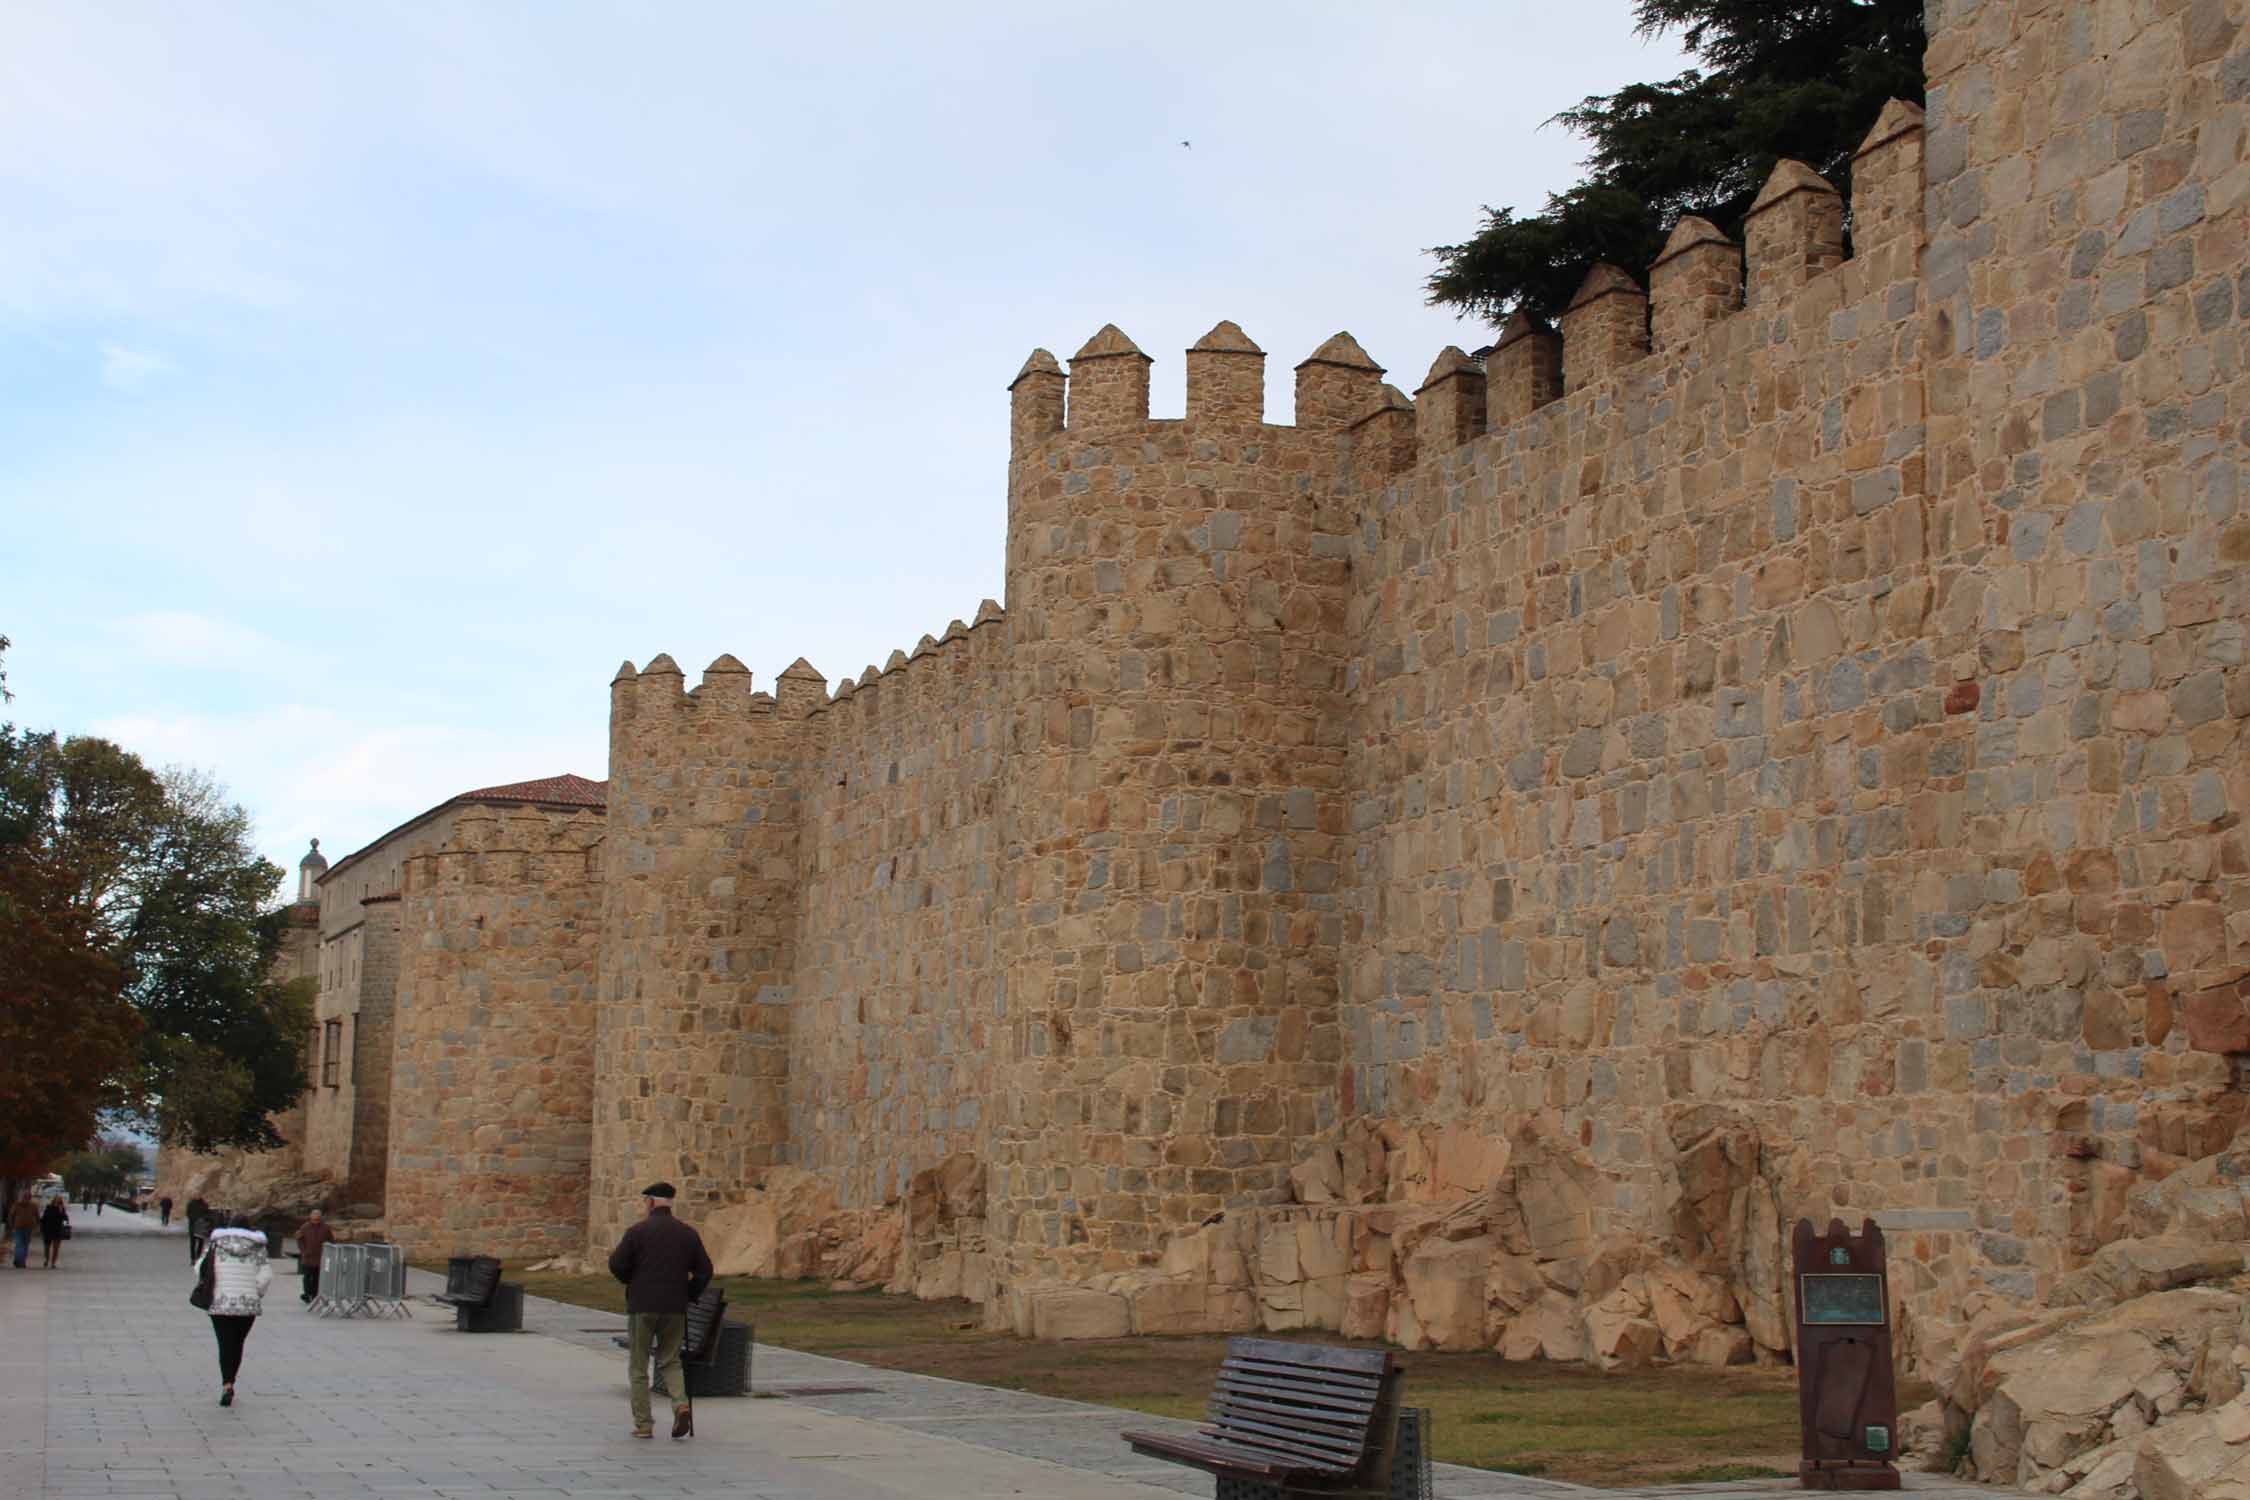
(205, 1284)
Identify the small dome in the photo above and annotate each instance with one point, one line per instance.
(312, 859)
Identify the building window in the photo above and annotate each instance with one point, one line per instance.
(331, 1046)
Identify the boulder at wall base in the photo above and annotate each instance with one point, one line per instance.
(745, 1239)
(2054, 1398)
(1445, 1289)
(1551, 1328)
(1079, 1313)
(2205, 1456)
(2125, 1269)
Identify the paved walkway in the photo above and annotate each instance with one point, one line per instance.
(109, 1387)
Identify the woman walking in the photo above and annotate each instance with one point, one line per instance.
(54, 1228)
(239, 1278)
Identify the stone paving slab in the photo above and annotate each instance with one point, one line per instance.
(108, 1388)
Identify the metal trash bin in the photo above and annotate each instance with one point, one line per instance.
(504, 1314)
(729, 1373)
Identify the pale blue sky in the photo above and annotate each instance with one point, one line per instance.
(376, 377)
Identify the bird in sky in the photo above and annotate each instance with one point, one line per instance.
(1189, 144)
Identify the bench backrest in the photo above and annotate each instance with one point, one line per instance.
(705, 1315)
(482, 1281)
(1312, 1404)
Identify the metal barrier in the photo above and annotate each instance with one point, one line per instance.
(343, 1280)
(383, 1286)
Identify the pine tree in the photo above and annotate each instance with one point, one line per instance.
(1780, 78)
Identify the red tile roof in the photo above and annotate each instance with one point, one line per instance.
(565, 790)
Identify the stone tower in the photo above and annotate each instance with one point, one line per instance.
(698, 934)
(1173, 804)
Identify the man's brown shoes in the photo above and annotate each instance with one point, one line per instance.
(683, 1421)
(644, 1432)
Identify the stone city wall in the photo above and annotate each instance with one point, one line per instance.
(1770, 747)
(898, 1008)
(492, 1088)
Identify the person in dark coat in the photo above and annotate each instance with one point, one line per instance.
(198, 1225)
(664, 1267)
(54, 1227)
(164, 1210)
(312, 1238)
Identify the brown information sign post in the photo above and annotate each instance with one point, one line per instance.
(1845, 1395)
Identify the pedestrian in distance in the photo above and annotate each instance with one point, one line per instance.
(312, 1238)
(238, 1276)
(164, 1213)
(54, 1228)
(22, 1220)
(664, 1267)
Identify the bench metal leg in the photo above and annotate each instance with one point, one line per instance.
(1245, 1489)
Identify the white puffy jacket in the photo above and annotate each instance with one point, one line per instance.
(240, 1272)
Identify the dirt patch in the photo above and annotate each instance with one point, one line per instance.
(1568, 1422)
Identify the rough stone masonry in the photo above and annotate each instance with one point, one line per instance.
(1474, 868)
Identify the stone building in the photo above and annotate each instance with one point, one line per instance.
(348, 1062)
(1469, 868)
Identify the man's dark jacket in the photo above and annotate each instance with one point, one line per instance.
(662, 1263)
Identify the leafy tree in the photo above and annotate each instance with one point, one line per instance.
(66, 1030)
(163, 883)
(1795, 78)
(108, 1169)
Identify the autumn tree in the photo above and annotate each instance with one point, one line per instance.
(154, 875)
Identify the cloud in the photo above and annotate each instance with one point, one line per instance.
(126, 369)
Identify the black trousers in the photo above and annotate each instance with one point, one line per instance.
(310, 1276)
(233, 1330)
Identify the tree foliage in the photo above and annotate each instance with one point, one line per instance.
(154, 876)
(108, 1169)
(1779, 78)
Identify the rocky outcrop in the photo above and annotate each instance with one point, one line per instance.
(2129, 1387)
(255, 1183)
(1447, 1238)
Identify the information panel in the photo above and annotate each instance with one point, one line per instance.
(1849, 1300)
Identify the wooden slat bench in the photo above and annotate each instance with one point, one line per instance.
(1289, 1419)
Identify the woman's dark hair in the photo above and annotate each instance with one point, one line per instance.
(238, 1221)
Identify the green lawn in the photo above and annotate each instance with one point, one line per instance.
(1569, 1422)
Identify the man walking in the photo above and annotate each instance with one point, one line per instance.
(312, 1238)
(22, 1220)
(664, 1267)
(164, 1210)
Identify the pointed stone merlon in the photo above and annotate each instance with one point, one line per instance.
(1887, 179)
(1605, 328)
(1108, 384)
(1523, 371)
(1383, 439)
(1226, 378)
(725, 687)
(1035, 402)
(1794, 232)
(1337, 385)
(799, 689)
(1694, 283)
(1449, 406)
(658, 688)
